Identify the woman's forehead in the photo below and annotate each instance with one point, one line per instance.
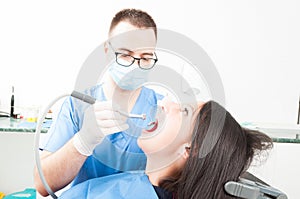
(200, 105)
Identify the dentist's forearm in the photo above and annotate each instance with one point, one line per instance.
(59, 168)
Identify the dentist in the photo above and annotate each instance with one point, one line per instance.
(80, 147)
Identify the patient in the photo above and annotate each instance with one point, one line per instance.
(191, 154)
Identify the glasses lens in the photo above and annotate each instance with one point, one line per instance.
(124, 60)
(147, 63)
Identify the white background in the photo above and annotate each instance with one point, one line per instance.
(254, 44)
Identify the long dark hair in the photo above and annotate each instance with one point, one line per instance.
(221, 151)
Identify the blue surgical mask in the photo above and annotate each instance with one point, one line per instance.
(128, 78)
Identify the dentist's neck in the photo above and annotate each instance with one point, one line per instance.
(111, 89)
(125, 98)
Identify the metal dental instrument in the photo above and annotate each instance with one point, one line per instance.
(185, 111)
(131, 115)
(90, 100)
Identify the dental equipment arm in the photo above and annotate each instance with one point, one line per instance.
(37, 142)
(253, 189)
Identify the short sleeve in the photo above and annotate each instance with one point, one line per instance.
(63, 128)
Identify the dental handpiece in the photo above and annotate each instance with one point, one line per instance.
(83, 97)
(90, 100)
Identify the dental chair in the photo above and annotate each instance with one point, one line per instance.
(251, 187)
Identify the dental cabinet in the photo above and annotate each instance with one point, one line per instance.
(17, 154)
(281, 168)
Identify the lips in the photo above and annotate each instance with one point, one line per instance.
(153, 128)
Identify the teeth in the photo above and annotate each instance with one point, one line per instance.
(152, 126)
(151, 123)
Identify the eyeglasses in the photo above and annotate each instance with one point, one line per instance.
(126, 60)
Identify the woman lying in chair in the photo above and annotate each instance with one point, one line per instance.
(192, 151)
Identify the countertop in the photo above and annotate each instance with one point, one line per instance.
(21, 125)
(279, 133)
(282, 133)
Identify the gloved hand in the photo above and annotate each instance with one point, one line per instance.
(99, 120)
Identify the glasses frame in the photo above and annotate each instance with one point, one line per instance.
(134, 59)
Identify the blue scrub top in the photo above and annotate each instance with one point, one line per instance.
(118, 152)
(123, 185)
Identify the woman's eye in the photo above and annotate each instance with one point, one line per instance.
(186, 110)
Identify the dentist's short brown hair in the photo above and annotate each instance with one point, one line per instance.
(136, 17)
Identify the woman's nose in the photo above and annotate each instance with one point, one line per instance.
(168, 105)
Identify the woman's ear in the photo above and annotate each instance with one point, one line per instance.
(186, 153)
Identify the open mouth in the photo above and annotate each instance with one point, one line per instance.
(153, 126)
(156, 115)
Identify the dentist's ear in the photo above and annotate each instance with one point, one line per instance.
(105, 47)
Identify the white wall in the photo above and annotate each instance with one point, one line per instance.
(280, 169)
(254, 45)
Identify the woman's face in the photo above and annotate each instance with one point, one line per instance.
(171, 130)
